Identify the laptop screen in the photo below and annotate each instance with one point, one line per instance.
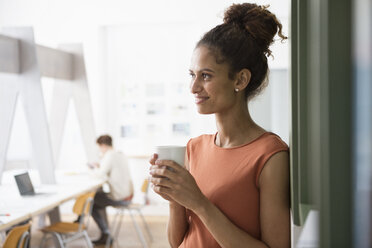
(24, 184)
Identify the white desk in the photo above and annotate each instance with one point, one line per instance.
(21, 208)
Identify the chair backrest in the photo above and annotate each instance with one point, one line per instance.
(83, 204)
(145, 190)
(17, 237)
(145, 186)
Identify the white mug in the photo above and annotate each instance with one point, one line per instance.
(175, 153)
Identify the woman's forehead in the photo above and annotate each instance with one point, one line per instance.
(203, 57)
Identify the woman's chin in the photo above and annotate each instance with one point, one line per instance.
(204, 111)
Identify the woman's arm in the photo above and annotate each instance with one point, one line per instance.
(274, 187)
(275, 201)
(177, 224)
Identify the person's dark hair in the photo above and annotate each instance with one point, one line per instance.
(243, 41)
(104, 140)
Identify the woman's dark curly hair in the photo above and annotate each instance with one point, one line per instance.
(243, 41)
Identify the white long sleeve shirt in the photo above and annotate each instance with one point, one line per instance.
(114, 168)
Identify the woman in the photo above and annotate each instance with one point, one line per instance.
(234, 188)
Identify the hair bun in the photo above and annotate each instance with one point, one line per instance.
(260, 23)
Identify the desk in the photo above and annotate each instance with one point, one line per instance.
(21, 208)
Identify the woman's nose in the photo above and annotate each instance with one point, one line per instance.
(195, 85)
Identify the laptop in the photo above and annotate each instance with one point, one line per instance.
(24, 184)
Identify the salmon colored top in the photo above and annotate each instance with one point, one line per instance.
(228, 177)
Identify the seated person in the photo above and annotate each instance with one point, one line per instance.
(113, 167)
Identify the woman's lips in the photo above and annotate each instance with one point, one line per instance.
(201, 99)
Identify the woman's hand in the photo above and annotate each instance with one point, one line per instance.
(174, 182)
(152, 162)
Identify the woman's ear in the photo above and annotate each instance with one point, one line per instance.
(243, 79)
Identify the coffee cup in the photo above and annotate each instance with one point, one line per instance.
(175, 153)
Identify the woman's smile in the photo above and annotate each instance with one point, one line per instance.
(200, 99)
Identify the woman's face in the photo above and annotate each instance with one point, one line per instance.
(210, 83)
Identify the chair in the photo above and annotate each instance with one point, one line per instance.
(131, 208)
(18, 237)
(65, 232)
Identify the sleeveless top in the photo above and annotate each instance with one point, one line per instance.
(228, 177)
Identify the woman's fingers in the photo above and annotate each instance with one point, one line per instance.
(153, 158)
(161, 181)
(163, 191)
(159, 187)
(170, 164)
(161, 171)
(173, 182)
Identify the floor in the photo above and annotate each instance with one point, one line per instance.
(127, 237)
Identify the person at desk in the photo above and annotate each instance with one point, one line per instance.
(113, 167)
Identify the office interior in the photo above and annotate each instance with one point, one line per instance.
(121, 68)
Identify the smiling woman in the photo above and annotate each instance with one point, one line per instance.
(234, 188)
(211, 86)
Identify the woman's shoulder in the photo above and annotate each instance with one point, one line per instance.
(204, 138)
(270, 140)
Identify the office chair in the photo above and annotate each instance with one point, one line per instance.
(131, 208)
(65, 232)
(18, 237)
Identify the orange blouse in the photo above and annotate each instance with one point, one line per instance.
(228, 177)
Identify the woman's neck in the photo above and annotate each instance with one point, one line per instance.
(236, 127)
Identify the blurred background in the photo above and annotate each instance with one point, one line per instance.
(137, 55)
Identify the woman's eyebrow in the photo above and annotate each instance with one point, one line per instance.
(204, 69)
(207, 69)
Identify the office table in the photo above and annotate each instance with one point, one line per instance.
(20, 208)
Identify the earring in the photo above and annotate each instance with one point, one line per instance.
(236, 89)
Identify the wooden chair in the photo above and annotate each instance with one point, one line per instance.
(65, 232)
(131, 208)
(18, 237)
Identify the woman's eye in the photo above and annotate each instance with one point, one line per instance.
(206, 76)
(192, 75)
